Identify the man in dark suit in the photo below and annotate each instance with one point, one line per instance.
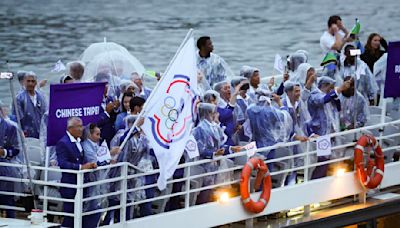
(70, 155)
(109, 109)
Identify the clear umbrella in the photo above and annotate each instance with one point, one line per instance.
(112, 66)
(98, 48)
(114, 63)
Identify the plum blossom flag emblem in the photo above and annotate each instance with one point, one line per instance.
(169, 113)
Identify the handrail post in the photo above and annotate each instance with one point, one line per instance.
(307, 162)
(307, 208)
(187, 188)
(124, 186)
(45, 189)
(78, 207)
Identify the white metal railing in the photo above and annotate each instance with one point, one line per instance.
(187, 191)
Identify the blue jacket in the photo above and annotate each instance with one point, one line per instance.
(319, 107)
(69, 157)
(30, 114)
(119, 122)
(9, 142)
(227, 121)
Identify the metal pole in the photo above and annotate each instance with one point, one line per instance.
(47, 157)
(307, 208)
(22, 139)
(78, 201)
(355, 100)
(187, 188)
(124, 186)
(383, 102)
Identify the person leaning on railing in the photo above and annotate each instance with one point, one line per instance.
(211, 142)
(138, 153)
(70, 155)
(324, 107)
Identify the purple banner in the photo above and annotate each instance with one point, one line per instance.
(392, 83)
(74, 99)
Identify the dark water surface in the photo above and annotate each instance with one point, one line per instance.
(35, 34)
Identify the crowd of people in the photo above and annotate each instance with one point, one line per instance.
(232, 111)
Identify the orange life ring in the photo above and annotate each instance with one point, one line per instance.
(263, 174)
(372, 177)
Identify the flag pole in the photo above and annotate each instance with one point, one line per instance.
(152, 94)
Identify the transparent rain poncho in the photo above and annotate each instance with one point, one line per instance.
(10, 141)
(296, 59)
(380, 71)
(324, 113)
(214, 68)
(350, 108)
(366, 83)
(247, 71)
(210, 137)
(211, 96)
(136, 152)
(241, 103)
(299, 114)
(300, 77)
(305, 53)
(269, 125)
(202, 84)
(301, 74)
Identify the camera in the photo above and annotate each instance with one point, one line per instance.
(6, 75)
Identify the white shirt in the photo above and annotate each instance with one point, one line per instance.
(327, 40)
(33, 99)
(289, 103)
(76, 141)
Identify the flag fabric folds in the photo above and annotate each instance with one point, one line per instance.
(278, 64)
(356, 28)
(170, 111)
(329, 58)
(59, 66)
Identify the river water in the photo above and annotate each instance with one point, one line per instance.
(34, 34)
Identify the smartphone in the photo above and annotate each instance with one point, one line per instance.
(6, 75)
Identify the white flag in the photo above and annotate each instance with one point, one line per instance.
(59, 66)
(278, 64)
(169, 114)
(191, 147)
(324, 146)
(103, 153)
(251, 149)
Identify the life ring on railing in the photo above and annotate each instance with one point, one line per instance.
(372, 177)
(263, 176)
